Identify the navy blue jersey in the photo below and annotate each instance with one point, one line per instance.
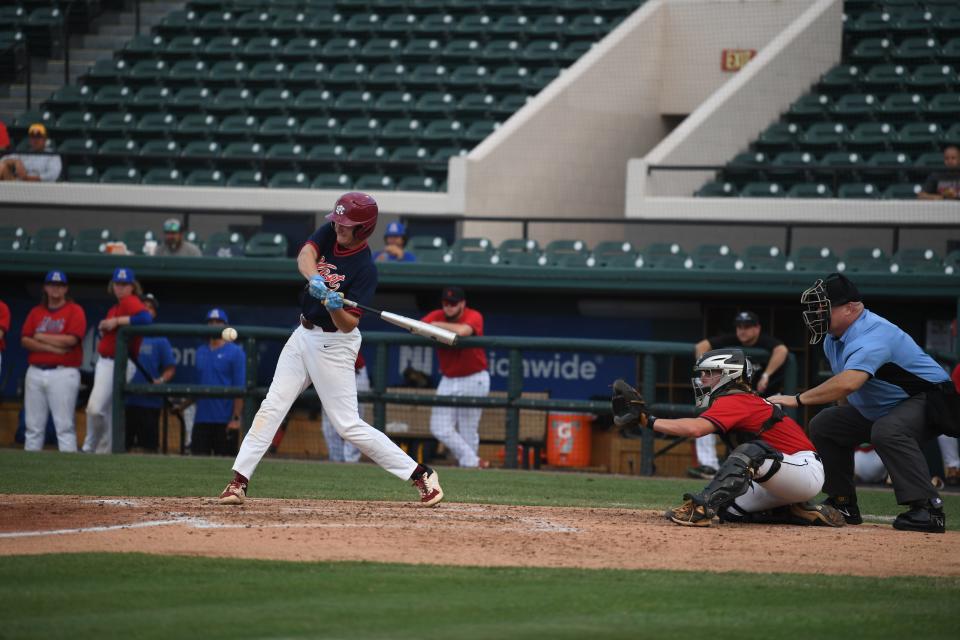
(348, 271)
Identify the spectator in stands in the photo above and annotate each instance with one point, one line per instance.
(216, 428)
(338, 449)
(944, 185)
(464, 374)
(173, 242)
(40, 164)
(4, 328)
(767, 379)
(394, 241)
(143, 412)
(129, 310)
(53, 336)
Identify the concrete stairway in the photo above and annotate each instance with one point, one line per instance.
(108, 33)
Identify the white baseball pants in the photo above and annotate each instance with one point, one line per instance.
(948, 451)
(707, 451)
(339, 449)
(99, 438)
(799, 478)
(51, 392)
(327, 360)
(458, 428)
(868, 467)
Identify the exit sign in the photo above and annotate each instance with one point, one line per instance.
(734, 59)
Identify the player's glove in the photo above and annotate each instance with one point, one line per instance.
(318, 288)
(333, 301)
(629, 410)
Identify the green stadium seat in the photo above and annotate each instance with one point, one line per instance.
(144, 47)
(184, 72)
(289, 151)
(244, 151)
(944, 106)
(371, 181)
(858, 190)
(914, 21)
(587, 26)
(352, 103)
(919, 136)
(763, 258)
(791, 166)
(205, 178)
(952, 135)
(872, 22)
(916, 260)
(823, 136)
(362, 24)
(163, 177)
(930, 160)
(348, 74)
(266, 74)
(298, 49)
(72, 124)
(14, 238)
(574, 51)
(839, 80)
(289, 180)
(120, 174)
(410, 153)
(118, 147)
(201, 151)
(808, 258)
(933, 77)
(331, 181)
(902, 191)
(541, 78)
(444, 131)
(110, 98)
(746, 166)
(279, 128)
(195, 125)
(854, 106)
(884, 78)
(104, 72)
(253, 23)
(147, 72)
(502, 51)
(479, 130)
(844, 162)
(115, 123)
(228, 73)
(149, 99)
(778, 136)
(512, 246)
(189, 101)
(56, 239)
(78, 147)
(548, 26)
(902, 107)
(308, 74)
(184, 47)
(70, 98)
(435, 103)
(380, 50)
(762, 190)
(443, 154)
(369, 153)
(430, 76)
(360, 129)
(476, 259)
(622, 261)
(341, 50)
(267, 245)
(399, 24)
(153, 125)
(717, 189)
(869, 136)
(245, 178)
(481, 246)
(510, 104)
(417, 183)
(393, 103)
(272, 101)
(420, 49)
(810, 190)
(82, 173)
(401, 130)
(609, 248)
(865, 260)
(871, 51)
(916, 50)
(160, 150)
(321, 129)
(310, 102)
(224, 244)
(557, 250)
(809, 108)
(541, 51)
(509, 77)
(239, 127)
(327, 153)
(420, 243)
(887, 165)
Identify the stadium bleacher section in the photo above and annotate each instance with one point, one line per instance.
(874, 125)
(323, 93)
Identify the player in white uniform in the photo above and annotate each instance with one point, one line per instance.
(339, 449)
(336, 263)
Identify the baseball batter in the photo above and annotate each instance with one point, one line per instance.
(336, 263)
(464, 374)
(53, 335)
(339, 449)
(770, 476)
(128, 310)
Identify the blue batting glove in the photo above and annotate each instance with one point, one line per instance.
(318, 288)
(333, 301)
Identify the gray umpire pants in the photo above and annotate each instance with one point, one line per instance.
(897, 437)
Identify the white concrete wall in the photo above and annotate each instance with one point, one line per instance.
(733, 116)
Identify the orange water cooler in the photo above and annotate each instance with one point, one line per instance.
(568, 439)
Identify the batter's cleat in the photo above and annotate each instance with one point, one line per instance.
(817, 515)
(847, 508)
(428, 484)
(926, 516)
(690, 514)
(483, 464)
(703, 472)
(235, 493)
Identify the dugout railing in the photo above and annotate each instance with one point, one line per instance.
(644, 352)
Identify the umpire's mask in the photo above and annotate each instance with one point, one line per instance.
(817, 314)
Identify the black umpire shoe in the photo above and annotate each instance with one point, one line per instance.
(925, 516)
(847, 508)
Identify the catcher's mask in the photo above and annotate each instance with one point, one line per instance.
(716, 370)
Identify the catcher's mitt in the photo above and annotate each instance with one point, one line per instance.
(629, 409)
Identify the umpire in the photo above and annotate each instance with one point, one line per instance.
(889, 393)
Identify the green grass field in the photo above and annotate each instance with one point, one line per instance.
(142, 596)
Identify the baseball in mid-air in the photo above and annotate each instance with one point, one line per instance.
(229, 334)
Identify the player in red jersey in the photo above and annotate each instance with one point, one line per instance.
(128, 310)
(773, 470)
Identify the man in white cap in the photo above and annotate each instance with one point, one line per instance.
(173, 242)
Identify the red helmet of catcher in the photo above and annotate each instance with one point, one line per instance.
(358, 210)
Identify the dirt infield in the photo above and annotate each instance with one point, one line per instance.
(458, 534)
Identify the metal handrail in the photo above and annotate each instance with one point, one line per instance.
(644, 351)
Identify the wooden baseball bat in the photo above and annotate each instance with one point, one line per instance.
(413, 326)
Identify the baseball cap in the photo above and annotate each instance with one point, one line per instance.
(840, 290)
(37, 129)
(123, 275)
(452, 294)
(152, 299)
(746, 318)
(57, 277)
(217, 314)
(395, 229)
(172, 225)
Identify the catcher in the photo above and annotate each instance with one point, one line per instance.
(773, 469)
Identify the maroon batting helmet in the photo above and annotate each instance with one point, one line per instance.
(358, 210)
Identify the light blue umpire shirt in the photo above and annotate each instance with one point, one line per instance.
(898, 367)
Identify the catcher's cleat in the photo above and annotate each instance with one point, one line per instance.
(234, 493)
(703, 472)
(428, 484)
(690, 514)
(847, 508)
(817, 515)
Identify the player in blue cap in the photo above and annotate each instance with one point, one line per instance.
(394, 241)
